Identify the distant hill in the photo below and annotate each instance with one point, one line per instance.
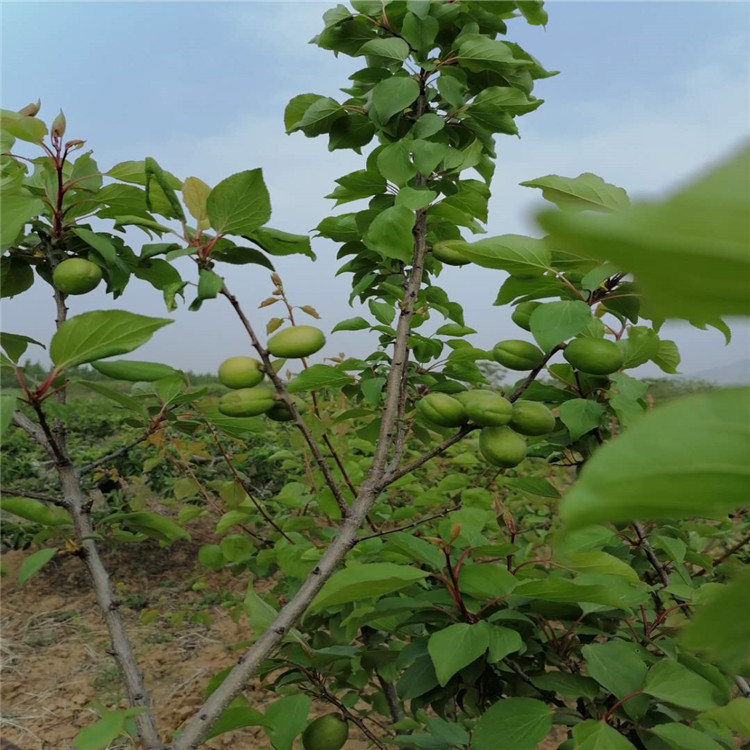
(737, 373)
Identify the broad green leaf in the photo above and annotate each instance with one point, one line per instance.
(686, 458)
(420, 32)
(236, 718)
(689, 252)
(209, 284)
(581, 415)
(554, 322)
(35, 511)
(128, 402)
(682, 737)
(351, 324)
(16, 210)
(260, 614)
(391, 96)
(485, 581)
(533, 11)
(522, 723)
(390, 234)
(671, 682)
(564, 590)
(735, 716)
(15, 344)
(598, 735)
(101, 733)
(389, 49)
(16, 276)
(502, 641)
(239, 204)
(195, 193)
(34, 563)
(99, 242)
(240, 256)
(394, 163)
(365, 581)
(477, 53)
(641, 345)
(415, 199)
(24, 127)
(720, 625)
(595, 561)
(285, 719)
(318, 376)
(135, 172)
(616, 666)
(237, 548)
(587, 192)
(418, 679)
(667, 357)
(457, 646)
(158, 527)
(296, 109)
(123, 369)
(100, 334)
(320, 116)
(276, 242)
(514, 253)
(567, 685)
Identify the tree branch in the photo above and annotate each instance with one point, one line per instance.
(115, 454)
(61, 502)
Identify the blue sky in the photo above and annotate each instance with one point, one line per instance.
(649, 93)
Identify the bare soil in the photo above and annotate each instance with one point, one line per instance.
(54, 645)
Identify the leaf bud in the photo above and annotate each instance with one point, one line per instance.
(58, 126)
(31, 110)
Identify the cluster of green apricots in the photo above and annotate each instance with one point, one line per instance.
(505, 425)
(244, 374)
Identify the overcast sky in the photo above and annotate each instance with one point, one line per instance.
(648, 95)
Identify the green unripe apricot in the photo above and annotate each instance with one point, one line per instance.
(296, 342)
(442, 409)
(501, 446)
(279, 412)
(447, 252)
(522, 312)
(246, 402)
(240, 372)
(327, 732)
(594, 356)
(532, 418)
(76, 276)
(517, 355)
(486, 408)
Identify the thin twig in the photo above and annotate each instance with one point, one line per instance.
(59, 501)
(442, 514)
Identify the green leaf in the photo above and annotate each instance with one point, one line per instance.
(670, 682)
(15, 344)
(667, 357)
(477, 53)
(285, 719)
(35, 511)
(158, 527)
(236, 718)
(683, 737)
(16, 210)
(554, 322)
(34, 563)
(640, 346)
(239, 204)
(320, 116)
(686, 458)
(135, 172)
(383, 311)
(533, 11)
(503, 641)
(390, 234)
(99, 242)
(485, 581)
(567, 685)
(296, 109)
(598, 735)
(16, 276)
(260, 614)
(100, 334)
(595, 561)
(25, 127)
(240, 256)
(521, 722)
(394, 163)
(387, 50)
(209, 284)
(420, 32)
(123, 369)
(99, 734)
(581, 415)
(514, 253)
(195, 193)
(564, 590)
(365, 581)
(457, 646)
(392, 96)
(734, 716)
(276, 242)
(351, 324)
(689, 252)
(587, 192)
(616, 666)
(415, 199)
(720, 624)
(318, 376)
